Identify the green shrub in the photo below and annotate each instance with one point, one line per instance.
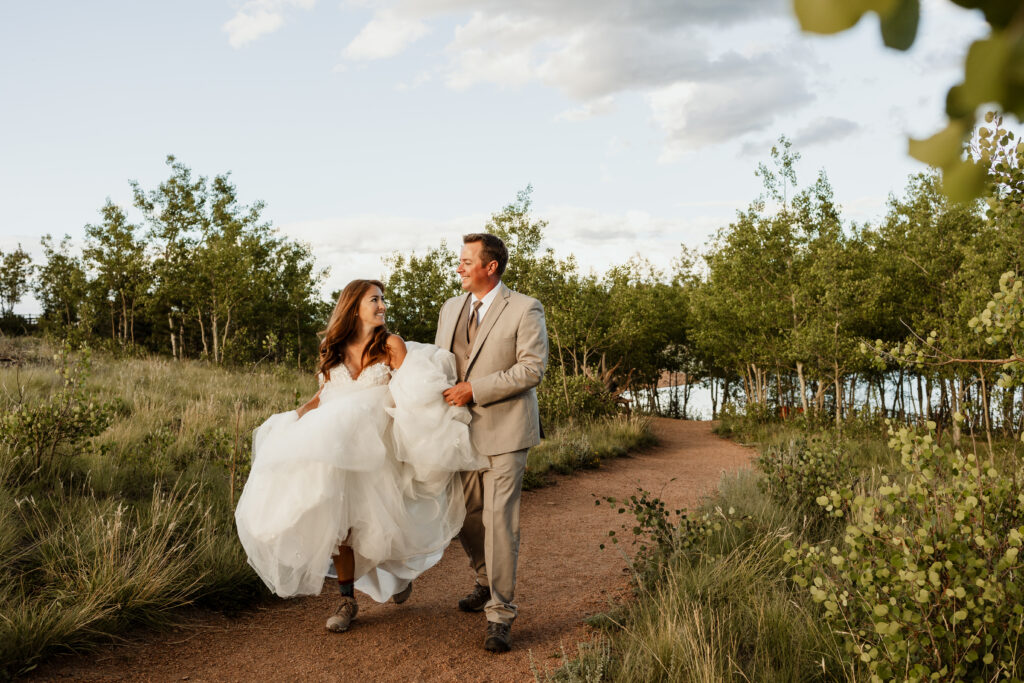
(563, 398)
(40, 431)
(798, 474)
(713, 598)
(926, 583)
(583, 445)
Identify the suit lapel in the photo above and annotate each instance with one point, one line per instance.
(451, 322)
(493, 311)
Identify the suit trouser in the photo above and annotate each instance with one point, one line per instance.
(490, 534)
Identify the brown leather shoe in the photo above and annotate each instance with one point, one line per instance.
(403, 595)
(475, 601)
(344, 616)
(498, 637)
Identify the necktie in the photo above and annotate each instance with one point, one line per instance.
(474, 323)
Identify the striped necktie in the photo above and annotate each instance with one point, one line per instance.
(474, 323)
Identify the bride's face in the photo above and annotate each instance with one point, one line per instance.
(371, 308)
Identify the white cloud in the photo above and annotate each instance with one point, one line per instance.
(675, 52)
(695, 115)
(587, 110)
(825, 130)
(355, 246)
(257, 18)
(387, 34)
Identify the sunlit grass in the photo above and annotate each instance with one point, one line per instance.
(139, 520)
(583, 445)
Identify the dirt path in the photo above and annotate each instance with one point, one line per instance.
(563, 578)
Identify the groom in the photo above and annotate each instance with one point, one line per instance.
(501, 348)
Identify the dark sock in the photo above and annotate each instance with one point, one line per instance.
(345, 588)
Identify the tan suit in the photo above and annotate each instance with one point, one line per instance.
(504, 365)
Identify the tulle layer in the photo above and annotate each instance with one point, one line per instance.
(374, 466)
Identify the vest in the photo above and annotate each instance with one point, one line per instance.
(460, 347)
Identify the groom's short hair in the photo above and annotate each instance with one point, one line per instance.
(493, 248)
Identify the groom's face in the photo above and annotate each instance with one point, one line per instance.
(477, 277)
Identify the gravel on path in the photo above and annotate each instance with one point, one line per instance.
(564, 577)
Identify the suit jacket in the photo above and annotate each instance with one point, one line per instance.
(505, 365)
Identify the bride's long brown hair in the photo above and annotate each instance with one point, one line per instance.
(342, 327)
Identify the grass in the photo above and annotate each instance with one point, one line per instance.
(583, 445)
(120, 530)
(718, 604)
(720, 609)
(126, 527)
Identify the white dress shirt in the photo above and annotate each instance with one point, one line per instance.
(488, 298)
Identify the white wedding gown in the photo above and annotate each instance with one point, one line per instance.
(377, 461)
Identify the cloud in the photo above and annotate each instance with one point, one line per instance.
(355, 246)
(825, 130)
(821, 131)
(587, 110)
(695, 115)
(257, 18)
(673, 52)
(386, 35)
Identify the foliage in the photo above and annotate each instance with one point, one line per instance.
(201, 276)
(15, 270)
(717, 603)
(564, 398)
(100, 567)
(61, 285)
(125, 525)
(583, 445)
(416, 287)
(799, 474)
(926, 582)
(58, 425)
(991, 72)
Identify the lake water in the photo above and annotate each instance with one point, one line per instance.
(699, 404)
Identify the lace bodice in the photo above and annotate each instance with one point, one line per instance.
(372, 375)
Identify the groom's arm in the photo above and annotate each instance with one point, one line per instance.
(531, 359)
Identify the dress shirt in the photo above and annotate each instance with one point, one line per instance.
(488, 298)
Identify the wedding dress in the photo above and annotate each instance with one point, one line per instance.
(374, 466)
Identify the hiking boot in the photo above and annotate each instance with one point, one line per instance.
(498, 637)
(403, 595)
(475, 601)
(344, 616)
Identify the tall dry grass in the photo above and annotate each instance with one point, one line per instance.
(584, 444)
(138, 520)
(717, 608)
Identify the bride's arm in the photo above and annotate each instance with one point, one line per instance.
(396, 351)
(310, 404)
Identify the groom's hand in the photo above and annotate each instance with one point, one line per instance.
(459, 395)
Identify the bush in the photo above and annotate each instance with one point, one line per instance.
(797, 475)
(39, 432)
(572, 397)
(927, 582)
(713, 598)
(583, 445)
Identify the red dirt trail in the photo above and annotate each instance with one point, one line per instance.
(563, 578)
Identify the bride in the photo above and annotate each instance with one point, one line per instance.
(364, 473)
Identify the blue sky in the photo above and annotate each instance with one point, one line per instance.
(369, 127)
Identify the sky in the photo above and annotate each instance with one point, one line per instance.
(374, 126)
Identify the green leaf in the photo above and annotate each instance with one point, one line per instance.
(963, 180)
(941, 149)
(984, 73)
(899, 27)
(827, 16)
